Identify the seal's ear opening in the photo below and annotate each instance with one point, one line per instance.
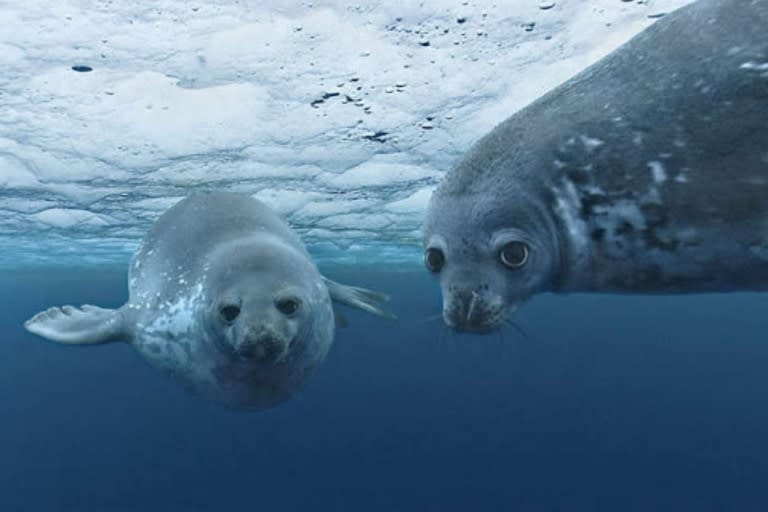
(360, 298)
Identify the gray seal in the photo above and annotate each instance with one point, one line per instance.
(645, 173)
(224, 297)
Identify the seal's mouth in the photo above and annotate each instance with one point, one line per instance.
(255, 345)
(266, 348)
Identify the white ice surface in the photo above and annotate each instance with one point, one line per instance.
(201, 95)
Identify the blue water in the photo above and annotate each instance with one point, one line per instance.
(610, 404)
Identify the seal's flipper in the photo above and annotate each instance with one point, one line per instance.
(359, 298)
(86, 325)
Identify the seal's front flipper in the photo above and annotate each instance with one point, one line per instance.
(86, 325)
(359, 298)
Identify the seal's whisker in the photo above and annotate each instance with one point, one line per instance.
(432, 318)
(472, 304)
(516, 327)
(500, 338)
(440, 335)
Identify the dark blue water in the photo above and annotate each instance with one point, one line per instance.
(611, 403)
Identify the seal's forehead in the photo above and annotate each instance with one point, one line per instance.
(472, 217)
(259, 264)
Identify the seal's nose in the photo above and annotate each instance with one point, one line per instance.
(472, 310)
(265, 347)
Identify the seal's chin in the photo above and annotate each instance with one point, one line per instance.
(475, 312)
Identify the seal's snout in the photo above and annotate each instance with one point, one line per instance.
(473, 310)
(263, 346)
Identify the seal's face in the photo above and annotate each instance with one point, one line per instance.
(489, 256)
(259, 322)
(266, 309)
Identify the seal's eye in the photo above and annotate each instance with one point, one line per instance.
(229, 312)
(434, 259)
(287, 306)
(514, 254)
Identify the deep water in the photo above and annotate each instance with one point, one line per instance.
(610, 404)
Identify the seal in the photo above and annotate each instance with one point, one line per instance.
(224, 297)
(645, 173)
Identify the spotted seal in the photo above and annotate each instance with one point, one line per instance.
(645, 173)
(224, 297)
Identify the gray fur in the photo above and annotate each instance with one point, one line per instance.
(646, 173)
(208, 252)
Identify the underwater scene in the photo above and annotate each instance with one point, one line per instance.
(608, 403)
(471, 255)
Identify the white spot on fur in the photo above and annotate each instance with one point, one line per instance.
(179, 317)
(567, 208)
(658, 172)
(590, 143)
(622, 211)
(754, 66)
(702, 86)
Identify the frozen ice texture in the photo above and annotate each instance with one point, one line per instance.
(319, 108)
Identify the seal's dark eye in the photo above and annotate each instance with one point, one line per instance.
(434, 259)
(287, 306)
(514, 254)
(229, 312)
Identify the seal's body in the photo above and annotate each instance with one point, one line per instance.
(224, 297)
(646, 173)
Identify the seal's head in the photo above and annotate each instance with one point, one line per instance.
(490, 250)
(269, 316)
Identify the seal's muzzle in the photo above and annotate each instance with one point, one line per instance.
(473, 310)
(262, 345)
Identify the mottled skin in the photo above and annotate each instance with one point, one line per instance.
(646, 173)
(224, 297)
(236, 250)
